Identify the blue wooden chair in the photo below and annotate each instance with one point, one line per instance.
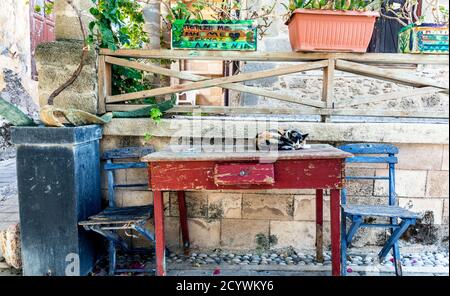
(113, 218)
(400, 219)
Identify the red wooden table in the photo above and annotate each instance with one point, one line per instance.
(319, 167)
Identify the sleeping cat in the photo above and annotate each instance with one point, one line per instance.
(290, 139)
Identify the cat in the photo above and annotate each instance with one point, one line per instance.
(284, 140)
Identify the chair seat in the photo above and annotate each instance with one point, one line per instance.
(120, 215)
(379, 211)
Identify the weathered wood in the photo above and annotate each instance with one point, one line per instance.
(279, 56)
(107, 84)
(290, 174)
(218, 81)
(328, 83)
(292, 111)
(389, 96)
(385, 74)
(244, 174)
(232, 86)
(379, 210)
(101, 75)
(180, 153)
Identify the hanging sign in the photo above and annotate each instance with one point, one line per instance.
(238, 35)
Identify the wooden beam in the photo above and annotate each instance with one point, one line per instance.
(388, 96)
(285, 111)
(385, 74)
(101, 85)
(233, 86)
(217, 82)
(279, 56)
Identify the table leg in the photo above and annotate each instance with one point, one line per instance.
(335, 231)
(319, 225)
(183, 221)
(158, 204)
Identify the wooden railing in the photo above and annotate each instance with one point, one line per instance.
(360, 64)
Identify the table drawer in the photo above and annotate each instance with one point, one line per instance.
(244, 174)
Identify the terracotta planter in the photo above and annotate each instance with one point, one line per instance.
(328, 30)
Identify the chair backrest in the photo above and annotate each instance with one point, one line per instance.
(374, 153)
(129, 154)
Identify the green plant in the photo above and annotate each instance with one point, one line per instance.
(359, 5)
(117, 24)
(225, 10)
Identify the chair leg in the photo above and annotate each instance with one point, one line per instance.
(112, 257)
(394, 237)
(397, 260)
(343, 243)
(183, 221)
(356, 223)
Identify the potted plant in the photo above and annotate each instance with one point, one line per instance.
(417, 36)
(331, 25)
(207, 25)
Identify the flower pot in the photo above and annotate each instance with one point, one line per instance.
(425, 38)
(328, 30)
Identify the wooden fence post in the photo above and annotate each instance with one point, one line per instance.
(327, 89)
(104, 83)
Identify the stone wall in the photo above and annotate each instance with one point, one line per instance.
(16, 85)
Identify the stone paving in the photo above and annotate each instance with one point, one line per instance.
(9, 204)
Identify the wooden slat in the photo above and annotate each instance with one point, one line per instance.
(101, 85)
(216, 82)
(286, 111)
(233, 86)
(389, 96)
(385, 74)
(279, 56)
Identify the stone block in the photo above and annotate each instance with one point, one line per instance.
(445, 158)
(71, 100)
(223, 205)
(425, 206)
(419, 157)
(360, 187)
(408, 183)
(437, 184)
(10, 246)
(62, 53)
(256, 67)
(267, 206)
(133, 198)
(305, 208)
(241, 234)
(196, 203)
(204, 233)
(67, 23)
(297, 234)
(137, 176)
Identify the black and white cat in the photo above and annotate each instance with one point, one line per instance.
(289, 139)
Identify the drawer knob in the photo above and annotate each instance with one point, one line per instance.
(243, 173)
